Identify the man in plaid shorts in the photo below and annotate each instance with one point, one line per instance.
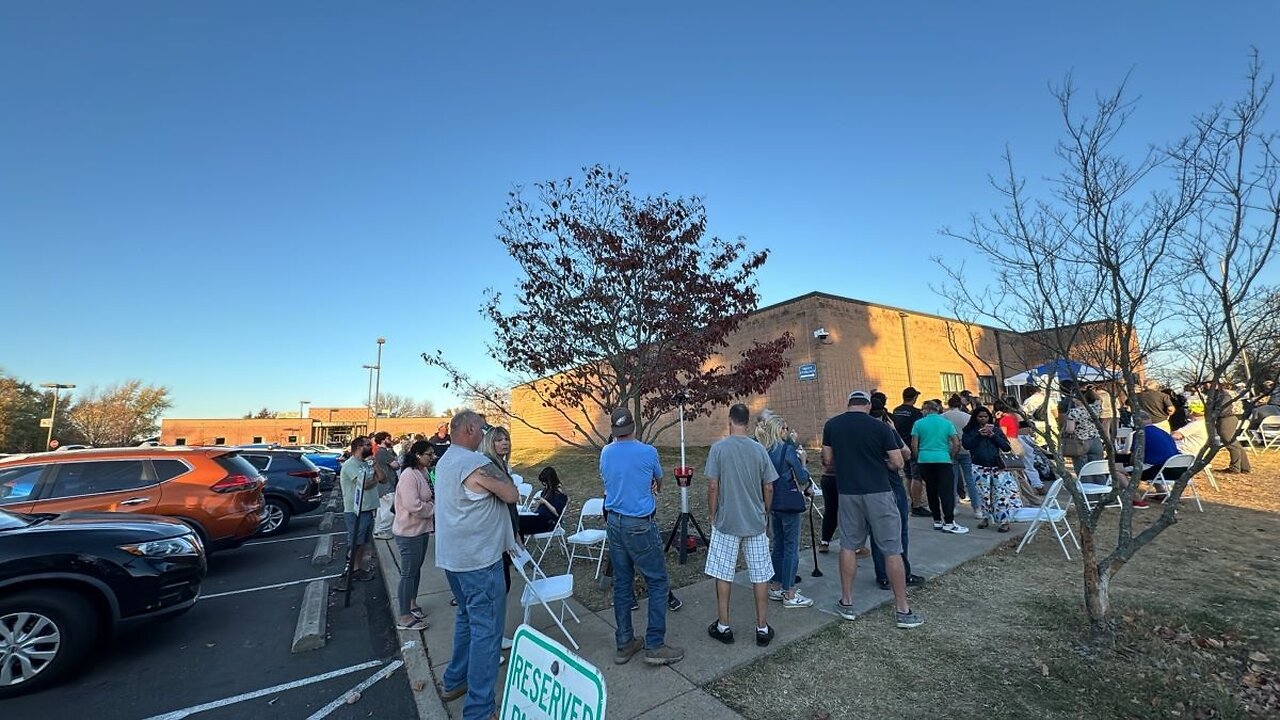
(740, 479)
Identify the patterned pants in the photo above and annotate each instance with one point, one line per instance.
(1000, 496)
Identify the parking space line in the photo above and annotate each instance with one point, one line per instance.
(187, 712)
(268, 587)
(342, 699)
(298, 537)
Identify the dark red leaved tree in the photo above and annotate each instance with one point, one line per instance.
(623, 301)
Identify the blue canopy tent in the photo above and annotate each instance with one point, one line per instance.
(1059, 370)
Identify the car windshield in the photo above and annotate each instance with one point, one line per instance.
(11, 521)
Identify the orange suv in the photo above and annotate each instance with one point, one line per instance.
(212, 489)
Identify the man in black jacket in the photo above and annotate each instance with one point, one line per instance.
(904, 418)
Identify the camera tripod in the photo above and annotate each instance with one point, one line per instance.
(684, 477)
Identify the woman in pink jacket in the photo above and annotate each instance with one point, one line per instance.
(415, 510)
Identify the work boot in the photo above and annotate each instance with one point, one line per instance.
(663, 655)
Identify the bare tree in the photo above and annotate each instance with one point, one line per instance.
(119, 414)
(403, 406)
(1121, 260)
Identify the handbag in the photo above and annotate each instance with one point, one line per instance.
(1072, 446)
(1012, 461)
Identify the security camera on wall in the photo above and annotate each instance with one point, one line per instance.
(821, 334)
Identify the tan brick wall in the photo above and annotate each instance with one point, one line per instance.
(865, 350)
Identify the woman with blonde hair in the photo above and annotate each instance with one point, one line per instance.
(789, 492)
(496, 445)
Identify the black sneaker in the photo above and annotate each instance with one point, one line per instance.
(673, 603)
(882, 584)
(725, 636)
(764, 637)
(914, 581)
(922, 512)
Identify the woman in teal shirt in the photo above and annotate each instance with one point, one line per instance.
(934, 443)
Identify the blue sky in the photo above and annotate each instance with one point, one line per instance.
(235, 199)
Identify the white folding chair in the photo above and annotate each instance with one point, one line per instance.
(1124, 441)
(554, 536)
(1177, 462)
(589, 543)
(524, 489)
(1266, 436)
(1049, 512)
(1094, 469)
(532, 502)
(540, 590)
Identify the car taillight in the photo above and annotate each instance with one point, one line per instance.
(308, 474)
(235, 483)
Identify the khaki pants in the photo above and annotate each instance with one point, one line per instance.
(382, 525)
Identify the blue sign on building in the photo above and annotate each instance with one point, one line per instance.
(808, 371)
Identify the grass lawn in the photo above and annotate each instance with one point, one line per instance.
(1198, 615)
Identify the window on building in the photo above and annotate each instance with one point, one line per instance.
(257, 439)
(219, 441)
(952, 383)
(180, 441)
(293, 440)
(987, 388)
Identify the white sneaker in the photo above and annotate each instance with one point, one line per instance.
(507, 643)
(799, 601)
(979, 515)
(776, 594)
(954, 529)
(937, 526)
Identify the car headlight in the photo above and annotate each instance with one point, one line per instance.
(181, 545)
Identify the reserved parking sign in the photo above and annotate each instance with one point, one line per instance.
(546, 680)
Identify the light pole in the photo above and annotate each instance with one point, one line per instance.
(53, 415)
(377, 388)
(368, 401)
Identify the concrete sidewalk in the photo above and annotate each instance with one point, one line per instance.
(637, 690)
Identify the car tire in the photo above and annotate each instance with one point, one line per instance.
(40, 614)
(276, 515)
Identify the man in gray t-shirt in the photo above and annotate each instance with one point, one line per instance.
(384, 471)
(740, 479)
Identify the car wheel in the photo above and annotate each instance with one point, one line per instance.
(44, 635)
(275, 517)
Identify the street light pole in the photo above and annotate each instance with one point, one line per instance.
(377, 388)
(53, 415)
(368, 398)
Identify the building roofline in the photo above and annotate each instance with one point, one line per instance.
(866, 303)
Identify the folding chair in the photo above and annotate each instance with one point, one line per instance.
(555, 535)
(589, 539)
(524, 489)
(816, 488)
(532, 502)
(1177, 462)
(1094, 469)
(1266, 436)
(540, 590)
(1124, 441)
(1049, 512)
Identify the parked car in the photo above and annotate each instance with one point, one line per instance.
(293, 486)
(320, 455)
(69, 581)
(211, 489)
(328, 479)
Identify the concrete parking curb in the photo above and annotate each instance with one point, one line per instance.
(312, 617)
(326, 522)
(323, 554)
(413, 647)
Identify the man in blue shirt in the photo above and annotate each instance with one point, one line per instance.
(631, 474)
(1158, 447)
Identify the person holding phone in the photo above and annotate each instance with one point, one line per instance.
(999, 489)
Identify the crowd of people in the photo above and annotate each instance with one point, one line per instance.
(879, 467)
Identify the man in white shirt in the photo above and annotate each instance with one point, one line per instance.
(1193, 436)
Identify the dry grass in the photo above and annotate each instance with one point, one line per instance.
(1197, 615)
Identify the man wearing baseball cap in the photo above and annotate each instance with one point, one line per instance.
(864, 452)
(631, 471)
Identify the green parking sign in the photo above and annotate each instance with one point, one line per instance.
(546, 680)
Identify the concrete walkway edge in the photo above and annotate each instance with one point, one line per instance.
(413, 649)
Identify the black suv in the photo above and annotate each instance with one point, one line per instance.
(293, 486)
(68, 581)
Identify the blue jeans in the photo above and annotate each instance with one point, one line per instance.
(477, 637)
(904, 509)
(962, 467)
(786, 549)
(634, 546)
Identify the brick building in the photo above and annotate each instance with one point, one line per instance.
(322, 425)
(841, 344)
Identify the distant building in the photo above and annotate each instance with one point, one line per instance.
(842, 344)
(322, 425)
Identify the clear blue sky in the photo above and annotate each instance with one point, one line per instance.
(235, 199)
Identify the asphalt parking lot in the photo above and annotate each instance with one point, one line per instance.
(229, 657)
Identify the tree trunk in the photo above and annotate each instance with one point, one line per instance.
(1097, 584)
